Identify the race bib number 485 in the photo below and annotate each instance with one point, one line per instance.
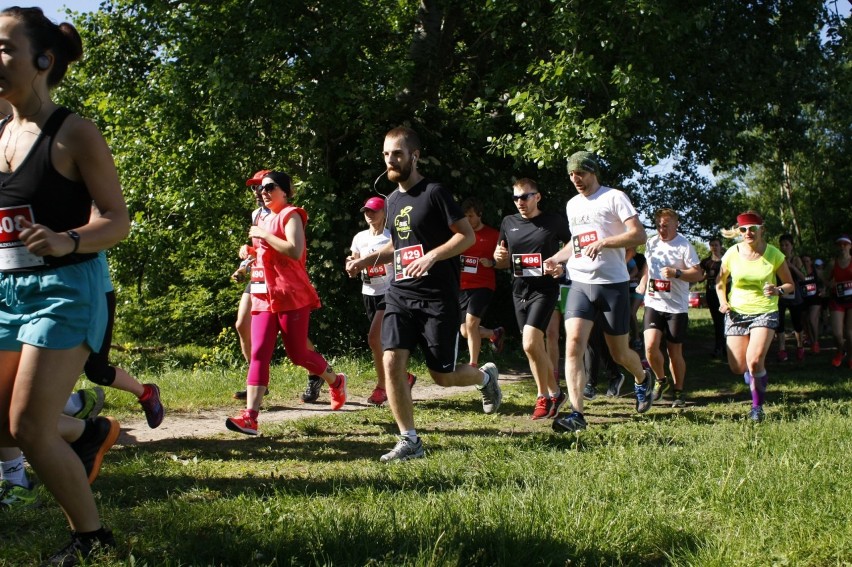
(13, 253)
(580, 241)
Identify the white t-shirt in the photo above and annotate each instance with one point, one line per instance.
(375, 279)
(662, 294)
(594, 218)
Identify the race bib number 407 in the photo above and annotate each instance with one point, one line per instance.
(13, 253)
(402, 258)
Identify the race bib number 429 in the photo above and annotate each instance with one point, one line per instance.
(402, 258)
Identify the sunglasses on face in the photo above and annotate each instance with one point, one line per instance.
(523, 197)
(750, 228)
(269, 187)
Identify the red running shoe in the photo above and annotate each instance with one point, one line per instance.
(338, 393)
(837, 360)
(781, 355)
(556, 403)
(497, 339)
(243, 423)
(542, 408)
(815, 347)
(800, 353)
(378, 397)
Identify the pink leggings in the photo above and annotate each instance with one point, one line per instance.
(294, 332)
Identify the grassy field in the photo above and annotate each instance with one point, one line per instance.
(700, 486)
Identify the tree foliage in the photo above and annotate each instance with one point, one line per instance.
(195, 97)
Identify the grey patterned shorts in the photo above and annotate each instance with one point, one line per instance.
(740, 324)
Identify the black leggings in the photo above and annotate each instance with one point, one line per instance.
(97, 368)
(718, 317)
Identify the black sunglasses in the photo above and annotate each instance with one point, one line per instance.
(269, 187)
(523, 197)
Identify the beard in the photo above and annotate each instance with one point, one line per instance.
(402, 174)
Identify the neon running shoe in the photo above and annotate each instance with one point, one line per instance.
(312, 390)
(781, 355)
(243, 394)
(243, 423)
(338, 393)
(152, 406)
(404, 450)
(644, 393)
(102, 434)
(17, 496)
(378, 397)
(93, 402)
(556, 403)
(756, 414)
(615, 384)
(491, 393)
(589, 391)
(837, 360)
(570, 423)
(542, 408)
(81, 549)
(800, 353)
(497, 339)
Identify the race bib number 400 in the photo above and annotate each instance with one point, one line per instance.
(13, 253)
(526, 265)
(582, 240)
(403, 257)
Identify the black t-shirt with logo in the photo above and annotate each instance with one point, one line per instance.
(419, 221)
(530, 242)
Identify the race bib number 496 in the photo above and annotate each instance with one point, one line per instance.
(13, 253)
(526, 265)
(402, 258)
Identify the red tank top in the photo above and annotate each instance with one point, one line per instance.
(842, 277)
(287, 284)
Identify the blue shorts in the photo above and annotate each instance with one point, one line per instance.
(58, 308)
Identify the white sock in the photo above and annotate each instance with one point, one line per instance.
(74, 404)
(13, 471)
(411, 434)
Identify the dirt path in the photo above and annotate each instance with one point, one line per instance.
(212, 422)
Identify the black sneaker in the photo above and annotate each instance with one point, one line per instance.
(570, 423)
(644, 392)
(243, 394)
(589, 392)
(615, 384)
(312, 390)
(81, 549)
(98, 436)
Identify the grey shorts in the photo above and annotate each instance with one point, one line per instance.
(740, 324)
(611, 300)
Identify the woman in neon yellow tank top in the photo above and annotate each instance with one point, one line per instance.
(751, 309)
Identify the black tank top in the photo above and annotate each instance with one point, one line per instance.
(57, 202)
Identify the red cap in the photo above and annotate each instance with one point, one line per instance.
(374, 204)
(747, 219)
(257, 177)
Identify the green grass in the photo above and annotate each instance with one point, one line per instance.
(702, 486)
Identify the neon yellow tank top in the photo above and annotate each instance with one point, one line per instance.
(748, 278)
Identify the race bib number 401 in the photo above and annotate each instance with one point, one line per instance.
(13, 253)
(402, 258)
(526, 265)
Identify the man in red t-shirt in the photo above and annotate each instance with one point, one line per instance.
(478, 283)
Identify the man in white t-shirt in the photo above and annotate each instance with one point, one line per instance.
(672, 265)
(603, 224)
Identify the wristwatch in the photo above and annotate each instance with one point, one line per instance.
(678, 273)
(76, 238)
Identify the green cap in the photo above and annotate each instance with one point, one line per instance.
(584, 161)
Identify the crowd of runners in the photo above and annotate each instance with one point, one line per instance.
(427, 269)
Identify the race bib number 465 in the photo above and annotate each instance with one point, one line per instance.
(402, 258)
(13, 253)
